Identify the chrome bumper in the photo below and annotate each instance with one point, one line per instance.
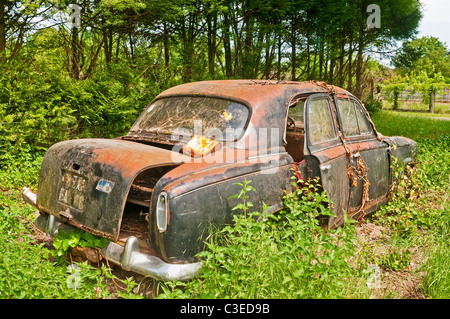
(128, 257)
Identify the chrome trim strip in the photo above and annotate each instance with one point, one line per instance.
(266, 155)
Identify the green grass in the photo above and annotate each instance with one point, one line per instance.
(283, 257)
(414, 125)
(437, 280)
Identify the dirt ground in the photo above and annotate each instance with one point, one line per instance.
(404, 284)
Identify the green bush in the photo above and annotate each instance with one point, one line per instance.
(37, 111)
(284, 255)
(372, 105)
(28, 272)
(408, 210)
(65, 240)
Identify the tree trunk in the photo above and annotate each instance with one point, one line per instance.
(212, 45)
(279, 57)
(269, 54)
(313, 70)
(75, 43)
(256, 53)
(331, 56)
(2, 27)
(238, 48)
(294, 52)
(331, 72)
(321, 59)
(107, 44)
(131, 46)
(432, 98)
(166, 46)
(350, 66)
(359, 66)
(340, 75)
(227, 45)
(188, 36)
(308, 53)
(117, 47)
(247, 58)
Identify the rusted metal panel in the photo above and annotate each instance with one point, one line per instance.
(194, 212)
(72, 171)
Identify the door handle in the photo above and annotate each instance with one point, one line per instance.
(325, 167)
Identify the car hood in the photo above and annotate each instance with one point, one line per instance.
(85, 182)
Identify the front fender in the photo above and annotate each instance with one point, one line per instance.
(403, 149)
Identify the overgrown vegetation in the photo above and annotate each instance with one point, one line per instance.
(26, 267)
(286, 255)
(59, 82)
(416, 219)
(183, 40)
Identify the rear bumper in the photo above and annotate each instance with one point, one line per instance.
(128, 257)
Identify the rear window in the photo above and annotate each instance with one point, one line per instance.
(216, 118)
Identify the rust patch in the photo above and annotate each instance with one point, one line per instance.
(132, 157)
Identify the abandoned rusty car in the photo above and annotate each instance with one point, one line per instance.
(155, 192)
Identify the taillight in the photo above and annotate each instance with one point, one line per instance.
(161, 212)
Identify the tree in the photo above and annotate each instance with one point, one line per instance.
(2, 26)
(17, 18)
(187, 40)
(423, 54)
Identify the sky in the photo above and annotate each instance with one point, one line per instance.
(436, 20)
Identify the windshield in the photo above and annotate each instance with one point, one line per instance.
(194, 115)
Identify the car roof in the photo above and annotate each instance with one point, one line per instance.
(255, 93)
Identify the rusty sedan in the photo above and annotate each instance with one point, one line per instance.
(156, 191)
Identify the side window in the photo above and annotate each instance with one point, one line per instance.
(364, 126)
(320, 122)
(353, 119)
(348, 117)
(296, 111)
(295, 120)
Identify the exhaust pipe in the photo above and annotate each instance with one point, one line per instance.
(29, 197)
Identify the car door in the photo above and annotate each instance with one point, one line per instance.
(325, 153)
(369, 160)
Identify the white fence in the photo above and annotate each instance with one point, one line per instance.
(443, 97)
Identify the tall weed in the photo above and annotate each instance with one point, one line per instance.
(282, 255)
(437, 280)
(417, 198)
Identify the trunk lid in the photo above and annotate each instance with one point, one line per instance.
(86, 182)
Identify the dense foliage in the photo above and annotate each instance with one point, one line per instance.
(61, 80)
(426, 54)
